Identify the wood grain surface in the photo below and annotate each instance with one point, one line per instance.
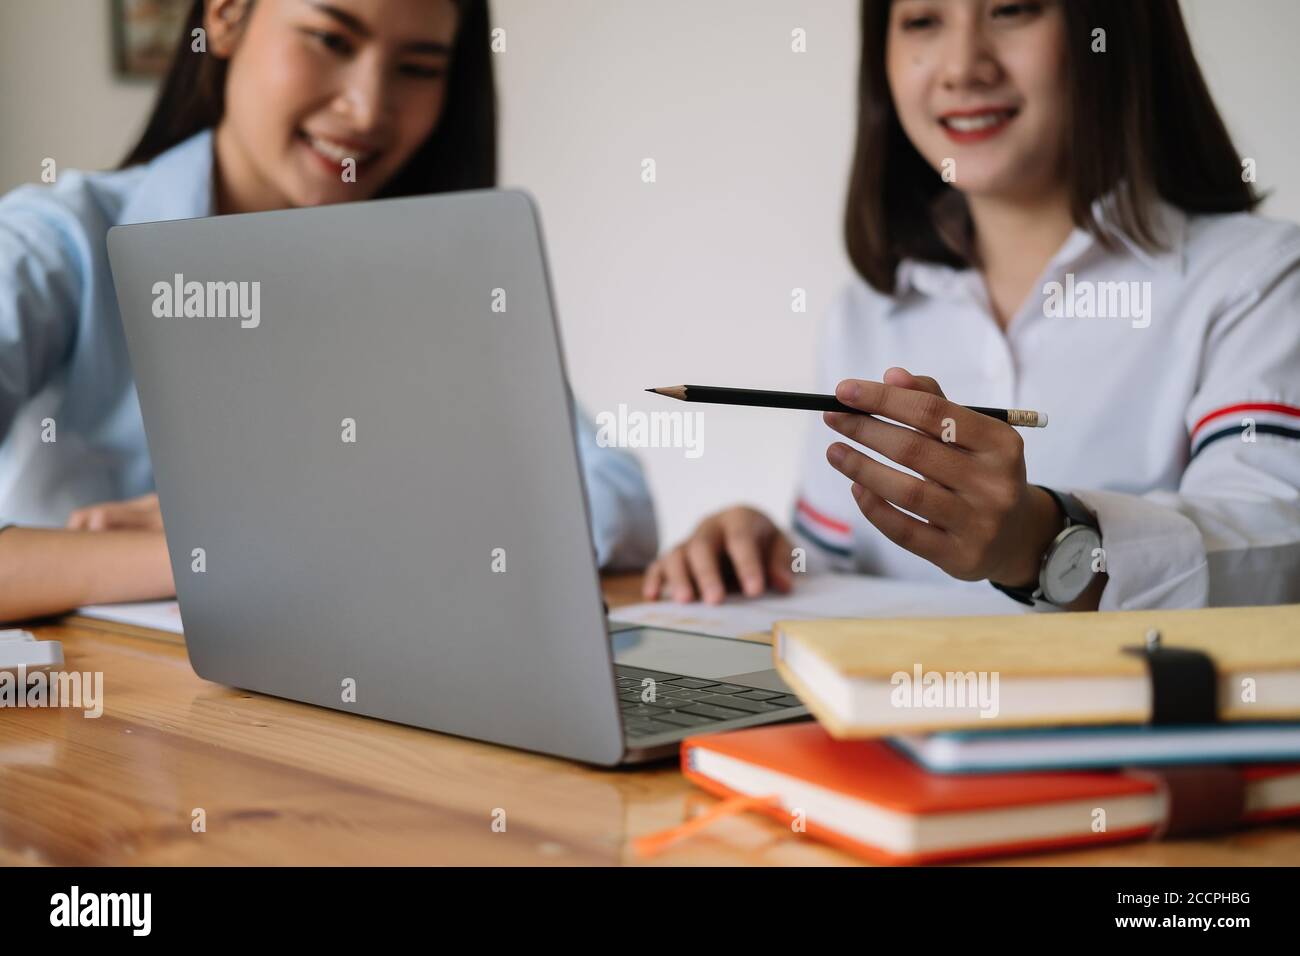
(286, 783)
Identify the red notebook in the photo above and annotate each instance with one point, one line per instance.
(865, 797)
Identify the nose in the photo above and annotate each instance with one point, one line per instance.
(969, 58)
(364, 96)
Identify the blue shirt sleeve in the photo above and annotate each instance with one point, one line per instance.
(622, 513)
(39, 296)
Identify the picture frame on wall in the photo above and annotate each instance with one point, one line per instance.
(144, 35)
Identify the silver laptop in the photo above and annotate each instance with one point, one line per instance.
(363, 442)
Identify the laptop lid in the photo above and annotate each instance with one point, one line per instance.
(363, 443)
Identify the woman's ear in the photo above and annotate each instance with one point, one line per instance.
(224, 22)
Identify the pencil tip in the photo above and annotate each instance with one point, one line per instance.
(670, 391)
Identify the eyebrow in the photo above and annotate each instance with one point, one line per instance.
(358, 27)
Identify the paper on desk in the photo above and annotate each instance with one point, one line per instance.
(827, 595)
(159, 615)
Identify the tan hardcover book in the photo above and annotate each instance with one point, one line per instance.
(870, 678)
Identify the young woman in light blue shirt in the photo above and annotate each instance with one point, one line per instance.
(269, 104)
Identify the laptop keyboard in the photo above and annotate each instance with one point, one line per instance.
(687, 703)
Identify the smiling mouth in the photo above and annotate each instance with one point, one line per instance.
(334, 151)
(978, 122)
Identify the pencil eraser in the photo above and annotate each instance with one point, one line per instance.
(1042, 419)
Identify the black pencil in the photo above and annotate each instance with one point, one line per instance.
(711, 394)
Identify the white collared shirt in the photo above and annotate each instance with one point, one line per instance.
(1177, 421)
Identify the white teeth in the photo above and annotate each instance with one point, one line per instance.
(336, 151)
(969, 124)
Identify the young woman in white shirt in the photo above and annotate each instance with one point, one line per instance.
(1045, 211)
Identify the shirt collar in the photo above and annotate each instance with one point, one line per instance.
(1168, 222)
(177, 184)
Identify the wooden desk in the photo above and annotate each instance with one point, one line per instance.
(286, 783)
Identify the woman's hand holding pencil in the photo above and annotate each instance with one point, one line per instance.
(982, 519)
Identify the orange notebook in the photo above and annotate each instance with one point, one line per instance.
(865, 797)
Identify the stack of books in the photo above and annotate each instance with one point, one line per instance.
(955, 738)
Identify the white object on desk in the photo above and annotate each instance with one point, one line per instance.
(819, 596)
(159, 615)
(22, 649)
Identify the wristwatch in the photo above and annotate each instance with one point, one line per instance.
(1066, 568)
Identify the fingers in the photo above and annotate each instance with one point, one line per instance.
(927, 411)
(905, 531)
(678, 576)
(94, 518)
(653, 582)
(740, 541)
(669, 572)
(746, 560)
(690, 566)
(928, 499)
(779, 572)
(902, 378)
(702, 559)
(136, 514)
(936, 460)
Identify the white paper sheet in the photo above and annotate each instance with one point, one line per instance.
(827, 595)
(159, 615)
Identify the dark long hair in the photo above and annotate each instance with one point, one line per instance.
(461, 152)
(1142, 125)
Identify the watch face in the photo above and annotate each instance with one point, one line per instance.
(1068, 570)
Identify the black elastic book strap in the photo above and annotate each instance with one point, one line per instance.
(1198, 799)
(1184, 685)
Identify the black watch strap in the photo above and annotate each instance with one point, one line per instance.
(1071, 507)
(1023, 595)
(1074, 512)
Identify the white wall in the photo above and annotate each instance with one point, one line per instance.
(1247, 51)
(58, 95)
(688, 279)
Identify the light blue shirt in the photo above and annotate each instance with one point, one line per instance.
(65, 374)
